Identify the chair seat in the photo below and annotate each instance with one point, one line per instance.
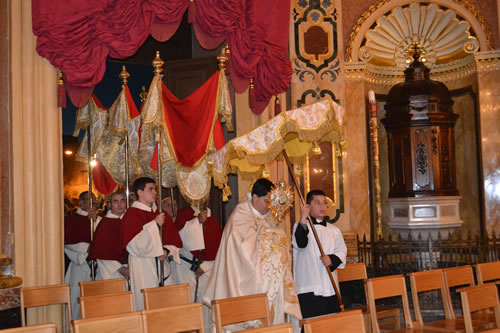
(383, 312)
(417, 330)
(457, 325)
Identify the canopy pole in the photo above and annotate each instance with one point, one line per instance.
(172, 202)
(124, 75)
(158, 141)
(311, 225)
(90, 195)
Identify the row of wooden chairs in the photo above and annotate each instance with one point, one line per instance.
(190, 318)
(440, 280)
(453, 277)
(102, 297)
(94, 304)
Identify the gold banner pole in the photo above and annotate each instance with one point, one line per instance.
(90, 194)
(158, 70)
(124, 75)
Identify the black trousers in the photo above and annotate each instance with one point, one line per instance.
(312, 306)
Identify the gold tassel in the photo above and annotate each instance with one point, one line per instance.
(226, 192)
(61, 92)
(316, 149)
(251, 95)
(277, 106)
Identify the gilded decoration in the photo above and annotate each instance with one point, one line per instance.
(293, 130)
(456, 12)
(434, 32)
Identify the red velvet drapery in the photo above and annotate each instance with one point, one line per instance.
(77, 37)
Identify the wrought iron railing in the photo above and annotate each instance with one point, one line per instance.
(400, 256)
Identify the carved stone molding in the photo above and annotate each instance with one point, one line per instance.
(451, 11)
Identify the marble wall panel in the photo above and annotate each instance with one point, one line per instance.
(466, 159)
(356, 159)
(489, 103)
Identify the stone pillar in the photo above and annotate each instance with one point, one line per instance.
(36, 188)
(488, 76)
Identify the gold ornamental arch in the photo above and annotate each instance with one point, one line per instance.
(445, 30)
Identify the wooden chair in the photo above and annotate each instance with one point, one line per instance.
(384, 287)
(357, 272)
(488, 271)
(121, 323)
(460, 276)
(45, 295)
(160, 297)
(342, 322)
(282, 328)
(101, 287)
(428, 281)
(463, 276)
(174, 319)
(45, 328)
(478, 298)
(108, 304)
(236, 310)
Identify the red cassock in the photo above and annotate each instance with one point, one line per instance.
(212, 233)
(135, 218)
(76, 229)
(107, 243)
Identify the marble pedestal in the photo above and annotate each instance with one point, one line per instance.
(429, 215)
(9, 308)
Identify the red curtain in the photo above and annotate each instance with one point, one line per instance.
(77, 37)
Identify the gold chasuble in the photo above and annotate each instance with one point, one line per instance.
(253, 258)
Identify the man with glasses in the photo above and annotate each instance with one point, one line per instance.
(106, 246)
(316, 294)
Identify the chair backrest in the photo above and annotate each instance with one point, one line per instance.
(352, 272)
(384, 287)
(462, 276)
(488, 271)
(108, 304)
(160, 297)
(174, 319)
(236, 310)
(428, 281)
(45, 328)
(480, 297)
(282, 328)
(121, 323)
(101, 287)
(342, 322)
(45, 295)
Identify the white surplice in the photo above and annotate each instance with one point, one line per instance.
(143, 250)
(192, 240)
(309, 272)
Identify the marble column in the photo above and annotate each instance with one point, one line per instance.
(356, 159)
(36, 188)
(488, 77)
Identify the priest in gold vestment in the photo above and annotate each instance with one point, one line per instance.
(253, 258)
